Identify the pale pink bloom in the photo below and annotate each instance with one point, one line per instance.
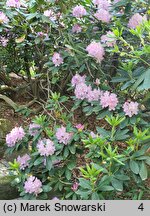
(96, 51)
(77, 79)
(109, 39)
(33, 185)
(79, 11)
(76, 28)
(57, 59)
(130, 108)
(17, 134)
(93, 135)
(50, 14)
(94, 95)
(81, 91)
(103, 15)
(4, 41)
(63, 136)
(80, 127)
(109, 100)
(3, 18)
(46, 147)
(75, 186)
(102, 4)
(34, 129)
(97, 82)
(23, 161)
(13, 3)
(41, 34)
(55, 198)
(136, 20)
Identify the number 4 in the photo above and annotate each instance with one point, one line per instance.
(141, 207)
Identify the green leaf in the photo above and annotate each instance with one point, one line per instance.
(68, 174)
(38, 161)
(47, 188)
(84, 183)
(72, 148)
(143, 171)
(118, 185)
(71, 165)
(66, 152)
(49, 163)
(134, 167)
(122, 177)
(95, 196)
(107, 188)
(103, 132)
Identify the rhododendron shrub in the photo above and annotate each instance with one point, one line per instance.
(86, 63)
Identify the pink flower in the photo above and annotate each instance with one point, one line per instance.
(103, 15)
(136, 20)
(79, 11)
(4, 41)
(57, 59)
(17, 134)
(102, 4)
(23, 161)
(76, 28)
(46, 147)
(77, 79)
(55, 198)
(109, 100)
(63, 136)
(80, 127)
(33, 185)
(94, 95)
(130, 108)
(75, 186)
(97, 82)
(50, 14)
(13, 3)
(109, 39)
(93, 135)
(34, 129)
(3, 18)
(81, 91)
(96, 51)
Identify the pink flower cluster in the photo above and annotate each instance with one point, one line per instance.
(82, 91)
(136, 20)
(57, 59)
(34, 129)
(33, 185)
(3, 41)
(50, 14)
(75, 186)
(23, 161)
(80, 127)
(3, 18)
(79, 11)
(96, 51)
(77, 79)
(103, 15)
(76, 28)
(13, 3)
(106, 98)
(130, 108)
(109, 100)
(17, 134)
(109, 39)
(102, 4)
(46, 147)
(63, 136)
